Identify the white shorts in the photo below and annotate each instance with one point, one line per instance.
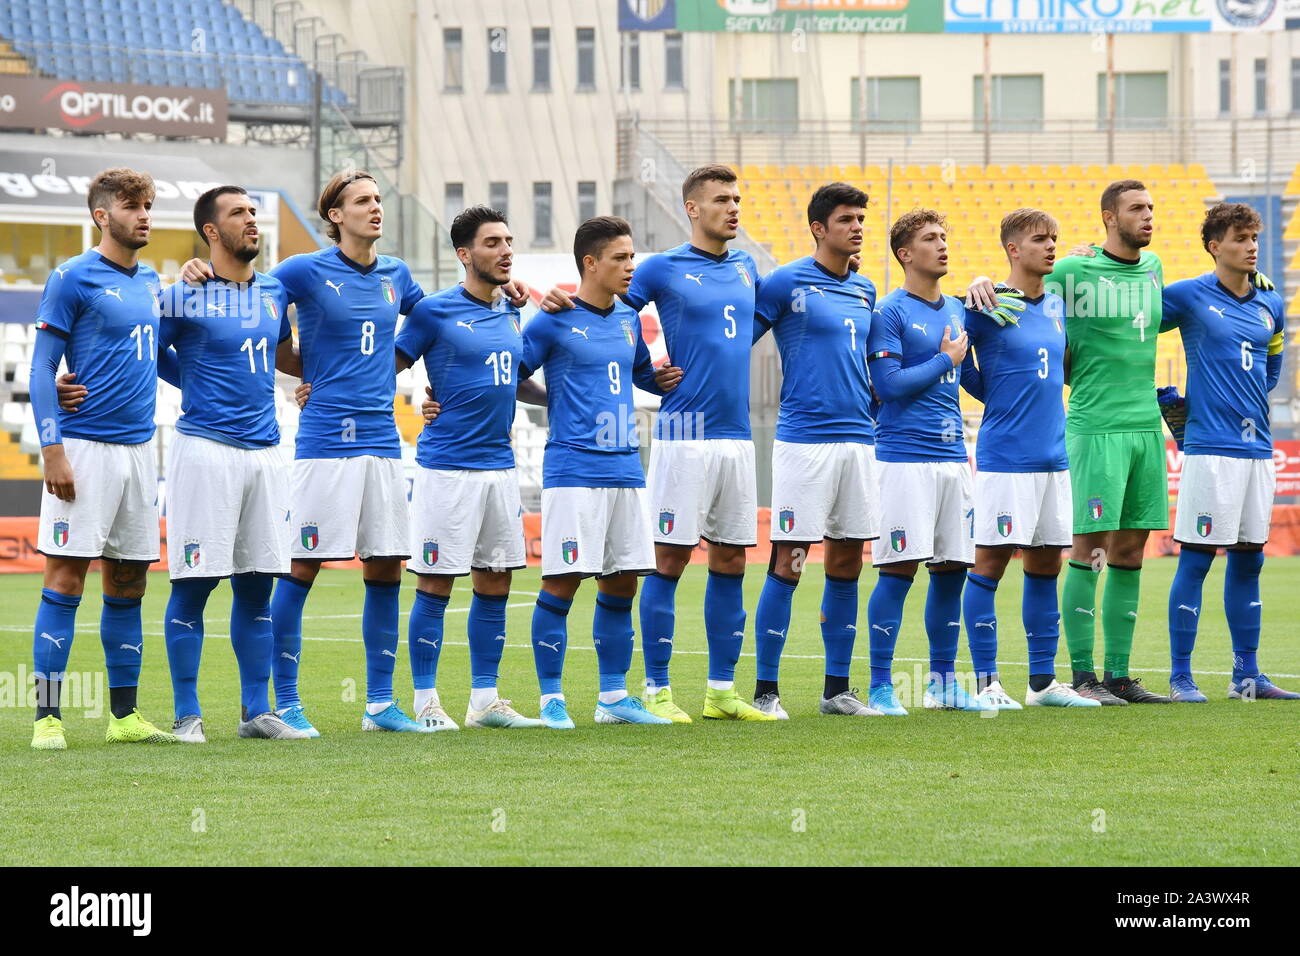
(824, 490)
(347, 506)
(926, 513)
(1224, 501)
(1023, 510)
(115, 512)
(461, 520)
(227, 509)
(704, 488)
(598, 531)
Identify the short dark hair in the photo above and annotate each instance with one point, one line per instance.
(595, 234)
(907, 225)
(464, 228)
(1110, 195)
(831, 196)
(711, 173)
(1018, 222)
(205, 207)
(332, 195)
(1225, 216)
(118, 183)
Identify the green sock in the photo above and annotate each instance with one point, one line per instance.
(1079, 613)
(1119, 611)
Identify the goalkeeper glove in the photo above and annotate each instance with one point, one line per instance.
(1261, 281)
(1011, 302)
(1173, 408)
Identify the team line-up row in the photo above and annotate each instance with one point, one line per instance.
(868, 448)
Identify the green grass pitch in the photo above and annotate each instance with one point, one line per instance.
(1185, 785)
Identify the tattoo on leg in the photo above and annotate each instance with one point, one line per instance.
(127, 578)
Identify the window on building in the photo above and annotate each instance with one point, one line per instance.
(496, 37)
(542, 213)
(1141, 100)
(1295, 84)
(542, 59)
(893, 104)
(629, 65)
(453, 202)
(674, 66)
(1015, 103)
(586, 58)
(453, 62)
(499, 198)
(586, 201)
(1261, 87)
(765, 106)
(1225, 87)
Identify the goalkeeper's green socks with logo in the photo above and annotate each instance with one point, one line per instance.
(1079, 614)
(1119, 611)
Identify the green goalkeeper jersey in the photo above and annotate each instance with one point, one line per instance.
(1112, 310)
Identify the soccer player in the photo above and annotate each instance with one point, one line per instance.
(1113, 436)
(101, 310)
(594, 515)
(347, 491)
(1232, 337)
(467, 516)
(228, 484)
(823, 459)
(701, 478)
(1022, 481)
(916, 348)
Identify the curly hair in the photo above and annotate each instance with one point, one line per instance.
(1225, 216)
(906, 226)
(119, 183)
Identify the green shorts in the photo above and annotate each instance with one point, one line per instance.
(1118, 481)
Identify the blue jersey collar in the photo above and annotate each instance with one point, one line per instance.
(591, 308)
(130, 273)
(708, 255)
(363, 270)
(475, 299)
(1035, 300)
(1239, 299)
(829, 274)
(934, 305)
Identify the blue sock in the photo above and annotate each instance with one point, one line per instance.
(379, 633)
(658, 620)
(611, 630)
(183, 636)
(120, 633)
(252, 639)
(724, 623)
(56, 618)
(1041, 615)
(839, 623)
(884, 617)
(981, 623)
(550, 639)
(1185, 608)
(1242, 607)
(286, 621)
(943, 623)
(424, 638)
(771, 622)
(487, 637)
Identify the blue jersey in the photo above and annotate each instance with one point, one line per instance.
(347, 318)
(471, 351)
(820, 322)
(591, 358)
(1022, 375)
(225, 334)
(921, 420)
(706, 310)
(1227, 343)
(109, 317)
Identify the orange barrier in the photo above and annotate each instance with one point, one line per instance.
(18, 542)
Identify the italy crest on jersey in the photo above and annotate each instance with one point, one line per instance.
(430, 551)
(628, 335)
(192, 554)
(666, 521)
(569, 550)
(744, 274)
(60, 533)
(386, 286)
(898, 539)
(272, 309)
(514, 322)
(1204, 525)
(310, 536)
(1004, 524)
(1265, 318)
(1094, 508)
(785, 520)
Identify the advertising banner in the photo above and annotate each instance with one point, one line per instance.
(783, 16)
(1114, 16)
(175, 111)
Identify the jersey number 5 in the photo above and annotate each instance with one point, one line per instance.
(727, 314)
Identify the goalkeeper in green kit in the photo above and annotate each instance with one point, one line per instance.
(1113, 438)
